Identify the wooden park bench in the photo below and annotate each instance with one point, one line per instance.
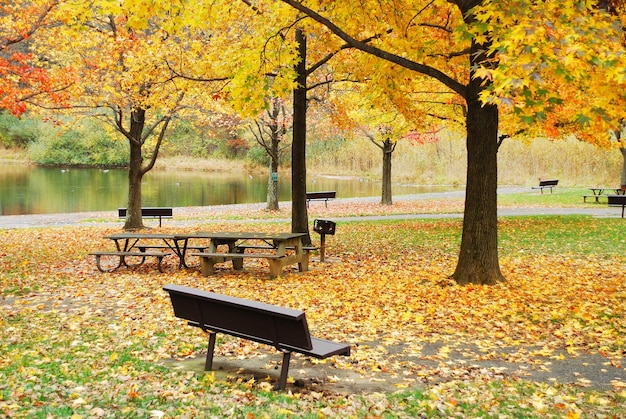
(320, 196)
(283, 328)
(617, 201)
(547, 184)
(121, 257)
(150, 212)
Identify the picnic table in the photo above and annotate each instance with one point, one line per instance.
(279, 249)
(603, 191)
(146, 244)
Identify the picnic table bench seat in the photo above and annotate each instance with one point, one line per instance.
(283, 328)
(265, 247)
(208, 259)
(596, 197)
(122, 255)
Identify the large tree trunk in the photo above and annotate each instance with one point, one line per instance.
(299, 214)
(388, 147)
(134, 220)
(478, 257)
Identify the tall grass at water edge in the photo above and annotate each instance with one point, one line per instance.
(573, 162)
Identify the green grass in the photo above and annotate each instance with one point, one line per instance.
(559, 197)
(571, 234)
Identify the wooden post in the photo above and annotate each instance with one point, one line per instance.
(322, 246)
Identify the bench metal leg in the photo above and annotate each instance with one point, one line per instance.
(101, 269)
(160, 259)
(208, 364)
(284, 370)
(123, 262)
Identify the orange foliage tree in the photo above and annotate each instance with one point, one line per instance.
(25, 75)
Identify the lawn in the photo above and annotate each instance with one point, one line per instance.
(78, 343)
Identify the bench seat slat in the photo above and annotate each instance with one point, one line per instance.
(238, 255)
(155, 254)
(322, 348)
(254, 246)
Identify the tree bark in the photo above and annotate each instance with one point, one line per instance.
(623, 174)
(388, 147)
(134, 221)
(276, 133)
(299, 213)
(272, 186)
(478, 257)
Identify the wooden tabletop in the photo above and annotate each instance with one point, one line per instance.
(241, 235)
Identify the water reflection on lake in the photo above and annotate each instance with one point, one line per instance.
(33, 190)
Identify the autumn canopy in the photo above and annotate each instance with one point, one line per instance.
(489, 69)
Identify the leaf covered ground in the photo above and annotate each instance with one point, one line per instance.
(75, 342)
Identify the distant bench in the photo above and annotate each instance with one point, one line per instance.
(320, 196)
(283, 328)
(150, 212)
(547, 184)
(617, 201)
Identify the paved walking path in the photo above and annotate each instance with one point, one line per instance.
(192, 215)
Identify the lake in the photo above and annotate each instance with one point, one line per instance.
(35, 190)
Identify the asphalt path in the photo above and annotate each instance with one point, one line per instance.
(193, 215)
(91, 218)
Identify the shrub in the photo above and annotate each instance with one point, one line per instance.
(87, 144)
(19, 132)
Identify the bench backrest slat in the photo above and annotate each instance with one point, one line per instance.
(321, 195)
(252, 320)
(149, 212)
(551, 182)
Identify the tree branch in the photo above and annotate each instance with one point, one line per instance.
(377, 52)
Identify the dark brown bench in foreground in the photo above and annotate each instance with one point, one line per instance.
(320, 196)
(283, 328)
(617, 201)
(150, 212)
(547, 184)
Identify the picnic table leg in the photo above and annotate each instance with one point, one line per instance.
(237, 262)
(180, 251)
(206, 265)
(276, 267)
(303, 265)
(160, 259)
